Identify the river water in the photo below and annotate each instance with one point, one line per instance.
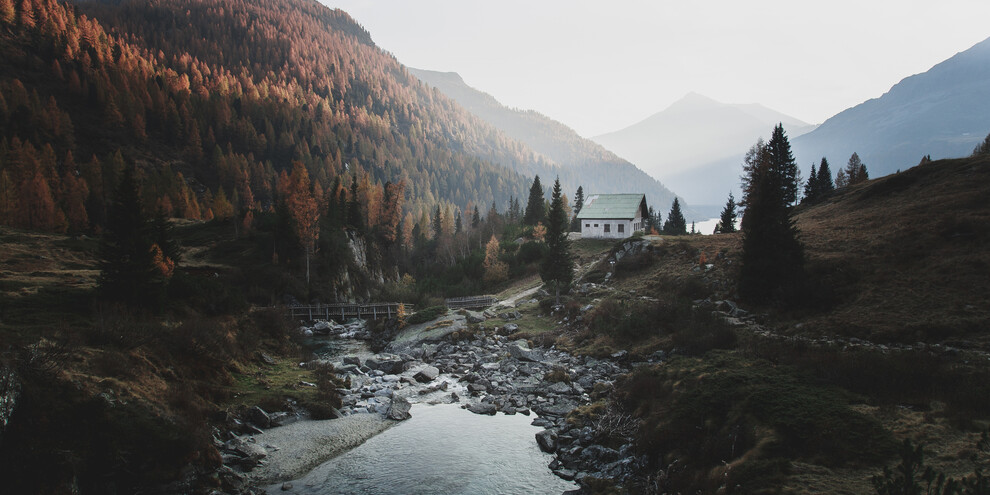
(441, 449)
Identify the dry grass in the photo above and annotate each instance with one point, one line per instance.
(905, 255)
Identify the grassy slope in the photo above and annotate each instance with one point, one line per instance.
(898, 260)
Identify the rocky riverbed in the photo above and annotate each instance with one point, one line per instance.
(486, 373)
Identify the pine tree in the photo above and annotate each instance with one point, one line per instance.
(675, 224)
(475, 218)
(127, 263)
(578, 204)
(727, 221)
(856, 170)
(782, 161)
(811, 187)
(841, 179)
(355, 217)
(535, 212)
(457, 223)
(981, 149)
(825, 186)
(557, 268)
(772, 259)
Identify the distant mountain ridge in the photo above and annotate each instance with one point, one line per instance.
(944, 112)
(696, 144)
(582, 162)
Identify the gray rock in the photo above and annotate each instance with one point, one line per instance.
(258, 417)
(560, 388)
(398, 409)
(286, 486)
(265, 358)
(510, 328)
(521, 351)
(482, 408)
(427, 374)
(547, 439)
(566, 474)
(356, 361)
(474, 317)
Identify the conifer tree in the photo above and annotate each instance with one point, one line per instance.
(981, 149)
(727, 220)
(475, 218)
(355, 217)
(578, 204)
(772, 259)
(825, 185)
(127, 263)
(535, 212)
(675, 224)
(856, 170)
(811, 187)
(557, 268)
(782, 161)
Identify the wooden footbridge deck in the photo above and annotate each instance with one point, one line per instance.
(346, 311)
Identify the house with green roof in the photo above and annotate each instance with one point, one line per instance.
(612, 216)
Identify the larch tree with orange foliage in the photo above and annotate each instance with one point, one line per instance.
(303, 208)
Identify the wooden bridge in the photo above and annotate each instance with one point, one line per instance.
(471, 302)
(345, 311)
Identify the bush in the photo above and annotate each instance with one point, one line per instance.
(722, 408)
(427, 314)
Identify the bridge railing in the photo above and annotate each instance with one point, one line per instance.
(471, 302)
(345, 311)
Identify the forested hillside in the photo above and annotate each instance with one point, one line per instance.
(212, 100)
(582, 161)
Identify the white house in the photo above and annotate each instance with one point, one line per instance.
(612, 216)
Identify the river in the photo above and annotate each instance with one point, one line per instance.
(441, 449)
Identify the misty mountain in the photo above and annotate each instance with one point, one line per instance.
(944, 112)
(696, 144)
(582, 162)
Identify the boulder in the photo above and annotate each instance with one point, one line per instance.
(482, 408)
(398, 409)
(509, 328)
(427, 374)
(547, 439)
(356, 361)
(258, 417)
(474, 317)
(521, 351)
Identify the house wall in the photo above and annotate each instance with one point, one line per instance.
(595, 227)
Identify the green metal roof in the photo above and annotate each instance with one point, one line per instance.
(612, 206)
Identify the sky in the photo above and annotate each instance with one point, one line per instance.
(602, 66)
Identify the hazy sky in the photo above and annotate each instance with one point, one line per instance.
(601, 66)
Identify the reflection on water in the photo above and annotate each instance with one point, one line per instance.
(441, 449)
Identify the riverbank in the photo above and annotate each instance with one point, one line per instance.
(295, 449)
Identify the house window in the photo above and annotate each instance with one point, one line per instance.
(621, 228)
(596, 225)
(608, 228)
(587, 225)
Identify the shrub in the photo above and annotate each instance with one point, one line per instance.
(557, 374)
(426, 314)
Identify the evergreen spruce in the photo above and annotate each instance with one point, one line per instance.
(675, 224)
(825, 186)
(981, 149)
(578, 204)
(127, 265)
(811, 187)
(772, 259)
(783, 164)
(557, 268)
(475, 218)
(354, 216)
(856, 170)
(727, 221)
(535, 212)
(457, 223)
